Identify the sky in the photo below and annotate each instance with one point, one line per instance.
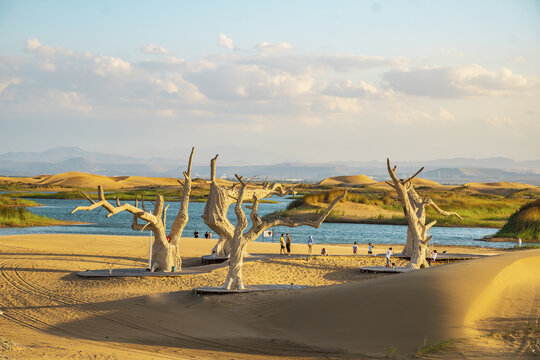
(310, 81)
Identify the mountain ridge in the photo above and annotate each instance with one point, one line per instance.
(69, 159)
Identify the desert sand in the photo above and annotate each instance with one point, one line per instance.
(59, 182)
(348, 180)
(62, 181)
(482, 308)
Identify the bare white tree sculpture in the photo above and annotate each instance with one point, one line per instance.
(241, 238)
(414, 208)
(221, 197)
(165, 250)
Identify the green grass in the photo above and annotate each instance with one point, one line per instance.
(14, 214)
(8, 201)
(130, 195)
(524, 223)
(477, 210)
(20, 217)
(434, 347)
(482, 210)
(526, 246)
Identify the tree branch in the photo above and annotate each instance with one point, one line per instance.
(213, 168)
(115, 210)
(412, 177)
(190, 161)
(389, 183)
(266, 223)
(431, 203)
(391, 172)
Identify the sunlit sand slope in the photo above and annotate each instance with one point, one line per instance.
(348, 180)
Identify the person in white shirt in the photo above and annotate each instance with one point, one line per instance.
(519, 242)
(310, 244)
(355, 249)
(370, 249)
(388, 255)
(433, 257)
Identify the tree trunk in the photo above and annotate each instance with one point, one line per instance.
(415, 215)
(164, 254)
(215, 217)
(236, 261)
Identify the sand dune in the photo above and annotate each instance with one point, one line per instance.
(452, 301)
(500, 188)
(365, 180)
(416, 182)
(348, 180)
(54, 314)
(84, 180)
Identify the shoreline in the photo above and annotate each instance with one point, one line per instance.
(58, 223)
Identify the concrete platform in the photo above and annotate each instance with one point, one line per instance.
(446, 256)
(142, 272)
(214, 290)
(384, 269)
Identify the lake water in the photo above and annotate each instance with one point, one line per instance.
(328, 233)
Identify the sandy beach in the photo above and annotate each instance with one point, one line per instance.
(483, 308)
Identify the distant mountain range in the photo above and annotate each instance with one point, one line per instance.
(446, 171)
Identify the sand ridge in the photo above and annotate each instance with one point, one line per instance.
(350, 180)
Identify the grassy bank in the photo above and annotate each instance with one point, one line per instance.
(131, 195)
(524, 223)
(477, 210)
(13, 213)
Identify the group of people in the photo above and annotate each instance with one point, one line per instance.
(285, 248)
(207, 235)
(285, 244)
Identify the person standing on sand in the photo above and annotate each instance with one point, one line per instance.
(519, 242)
(369, 249)
(288, 245)
(433, 257)
(388, 255)
(196, 234)
(310, 244)
(355, 249)
(282, 244)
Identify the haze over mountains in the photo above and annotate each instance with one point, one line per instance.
(450, 171)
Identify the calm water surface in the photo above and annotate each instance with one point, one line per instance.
(328, 233)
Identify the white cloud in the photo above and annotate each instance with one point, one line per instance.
(333, 104)
(49, 67)
(445, 115)
(33, 45)
(517, 59)
(154, 49)
(169, 113)
(470, 80)
(499, 121)
(349, 89)
(5, 84)
(111, 65)
(273, 47)
(230, 82)
(226, 42)
(456, 53)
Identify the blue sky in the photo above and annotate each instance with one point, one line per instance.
(300, 80)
